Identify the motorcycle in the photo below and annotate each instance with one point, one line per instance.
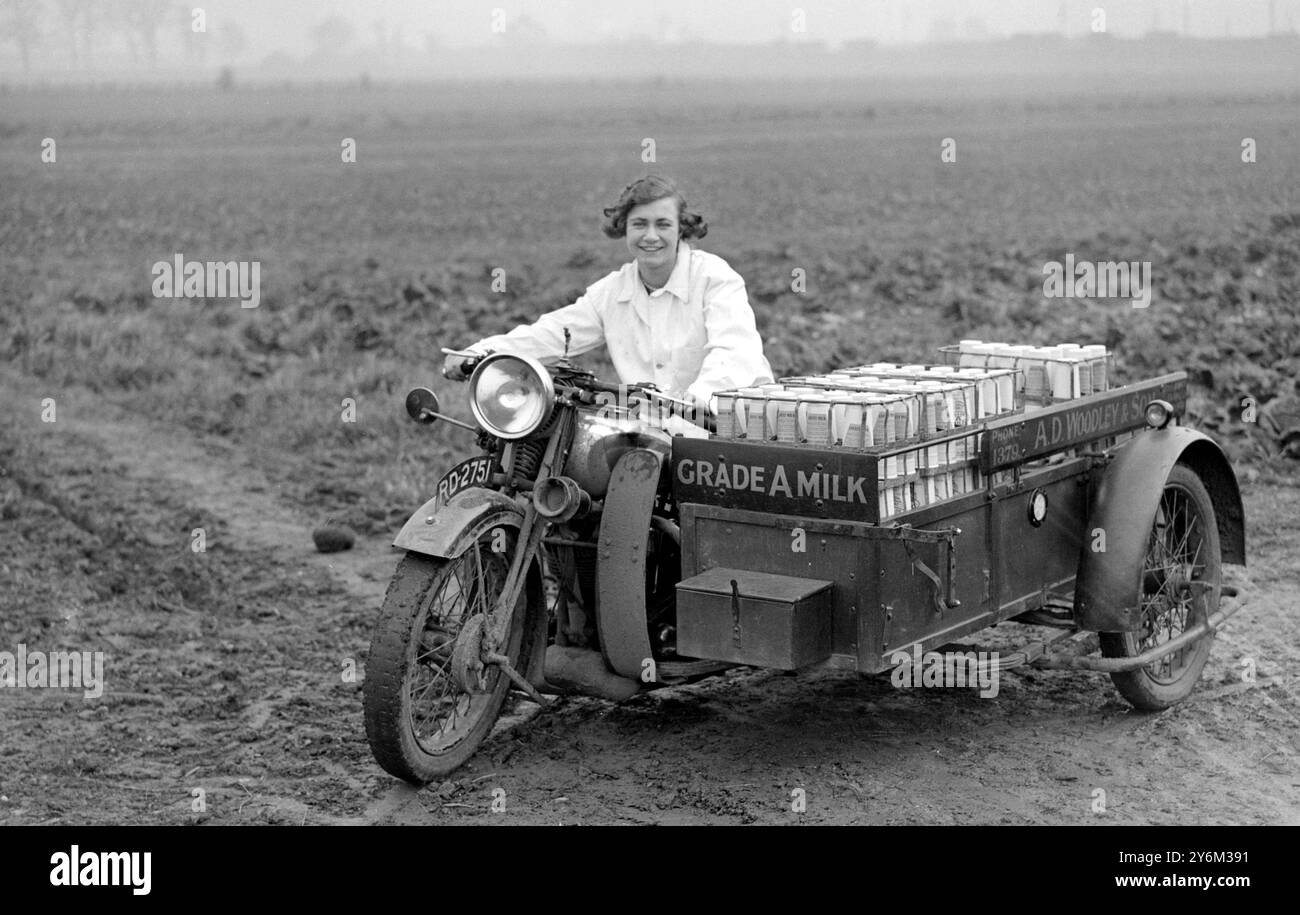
(548, 562)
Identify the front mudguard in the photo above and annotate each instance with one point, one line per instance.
(447, 531)
(1123, 508)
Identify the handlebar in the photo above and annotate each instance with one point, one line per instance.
(604, 387)
(685, 409)
(467, 367)
(648, 390)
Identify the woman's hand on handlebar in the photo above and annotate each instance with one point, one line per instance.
(459, 364)
(683, 403)
(680, 403)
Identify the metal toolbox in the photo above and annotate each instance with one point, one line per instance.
(754, 618)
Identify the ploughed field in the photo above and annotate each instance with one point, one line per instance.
(467, 210)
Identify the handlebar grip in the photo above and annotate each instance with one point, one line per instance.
(469, 360)
(463, 369)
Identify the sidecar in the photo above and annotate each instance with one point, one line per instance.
(1102, 518)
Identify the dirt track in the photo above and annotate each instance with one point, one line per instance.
(224, 673)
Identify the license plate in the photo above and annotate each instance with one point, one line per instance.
(474, 472)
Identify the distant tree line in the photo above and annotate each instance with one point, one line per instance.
(82, 32)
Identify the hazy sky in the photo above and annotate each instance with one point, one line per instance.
(285, 23)
(288, 25)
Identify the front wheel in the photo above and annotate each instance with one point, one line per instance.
(1181, 582)
(420, 721)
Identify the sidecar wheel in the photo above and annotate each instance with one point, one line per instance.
(1181, 582)
(420, 722)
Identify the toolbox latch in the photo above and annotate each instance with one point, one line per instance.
(735, 611)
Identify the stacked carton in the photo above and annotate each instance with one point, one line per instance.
(1051, 374)
(888, 406)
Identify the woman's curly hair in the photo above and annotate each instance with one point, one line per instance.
(647, 190)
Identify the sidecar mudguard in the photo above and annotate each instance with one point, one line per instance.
(620, 566)
(1124, 507)
(447, 531)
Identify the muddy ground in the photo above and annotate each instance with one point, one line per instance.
(226, 700)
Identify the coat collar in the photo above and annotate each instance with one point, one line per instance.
(679, 281)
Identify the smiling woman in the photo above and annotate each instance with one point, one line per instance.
(651, 216)
(674, 316)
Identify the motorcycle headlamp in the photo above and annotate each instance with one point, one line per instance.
(511, 396)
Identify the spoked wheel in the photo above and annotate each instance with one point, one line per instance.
(1181, 583)
(425, 715)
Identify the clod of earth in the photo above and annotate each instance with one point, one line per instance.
(333, 538)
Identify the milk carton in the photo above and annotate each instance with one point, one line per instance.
(782, 421)
(847, 420)
(973, 354)
(887, 419)
(876, 426)
(818, 427)
(751, 409)
(1033, 360)
(938, 419)
(958, 392)
(937, 484)
(1081, 368)
(1001, 356)
(1095, 353)
(994, 390)
(726, 404)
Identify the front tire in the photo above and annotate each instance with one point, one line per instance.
(420, 722)
(1181, 581)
